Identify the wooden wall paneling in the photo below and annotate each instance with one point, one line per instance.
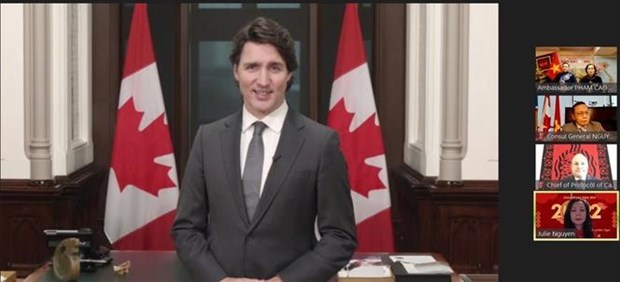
(26, 224)
(460, 223)
(389, 72)
(106, 33)
(27, 209)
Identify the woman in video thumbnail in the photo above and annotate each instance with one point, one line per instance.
(591, 76)
(577, 216)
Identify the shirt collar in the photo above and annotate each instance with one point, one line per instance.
(274, 120)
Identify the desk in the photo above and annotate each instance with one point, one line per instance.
(165, 266)
(145, 266)
(437, 256)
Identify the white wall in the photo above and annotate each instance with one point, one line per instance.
(13, 161)
(68, 45)
(481, 160)
(426, 81)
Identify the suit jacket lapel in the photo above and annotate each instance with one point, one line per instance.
(229, 139)
(291, 141)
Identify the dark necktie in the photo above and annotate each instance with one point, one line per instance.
(581, 184)
(253, 169)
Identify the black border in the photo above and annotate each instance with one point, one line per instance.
(523, 26)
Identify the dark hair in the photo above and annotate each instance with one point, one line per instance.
(587, 224)
(264, 30)
(577, 104)
(586, 69)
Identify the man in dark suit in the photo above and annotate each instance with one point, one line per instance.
(580, 113)
(249, 202)
(579, 170)
(566, 76)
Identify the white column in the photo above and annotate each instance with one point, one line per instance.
(36, 91)
(60, 64)
(71, 87)
(46, 95)
(445, 43)
(454, 137)
(425, 84)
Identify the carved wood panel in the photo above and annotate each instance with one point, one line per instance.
(460, 223)
(464, 242)
(27, 228)
(26, 210)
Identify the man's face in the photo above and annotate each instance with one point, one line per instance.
(581, 115)
(579, 166)
(565, 67)
(262, 77)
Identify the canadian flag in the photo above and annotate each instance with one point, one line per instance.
(557, 123)
(546, 121)
(353, 114)
(142, 185)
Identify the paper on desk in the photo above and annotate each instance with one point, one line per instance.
(413, 259)
(371, 271)
(428, 268)
(2, 278)
(366, 267)
(367, 272)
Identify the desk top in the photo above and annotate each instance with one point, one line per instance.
(456, 277)
(163, 266)
(145, 266)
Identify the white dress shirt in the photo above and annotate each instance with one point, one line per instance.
(271, 137)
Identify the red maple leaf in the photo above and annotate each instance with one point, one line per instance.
(135, 151)
(364, 142)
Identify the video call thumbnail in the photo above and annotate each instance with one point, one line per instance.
(562, 216)
(586, 118)
(588, 69)
(589, 167)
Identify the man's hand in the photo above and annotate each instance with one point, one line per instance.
(275, 279)
(240, 279)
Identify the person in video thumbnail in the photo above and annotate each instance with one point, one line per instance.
(581, 120)
(577, 217)
(591, 76)
(565, 76)
(579, 170)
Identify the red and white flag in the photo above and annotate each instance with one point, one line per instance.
(546, 121)
(142, 186)
(555, 67)
(352, 112)
(557, 123)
